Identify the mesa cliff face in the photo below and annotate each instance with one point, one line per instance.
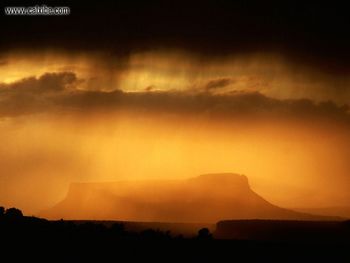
(206, 198)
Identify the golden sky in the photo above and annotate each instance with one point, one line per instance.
(169, 114)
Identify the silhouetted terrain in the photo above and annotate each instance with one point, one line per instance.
(284, 230)
(184, 229)
(30, 238)
(206, 198)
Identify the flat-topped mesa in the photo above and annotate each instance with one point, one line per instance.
(205, 198)
(223, 180)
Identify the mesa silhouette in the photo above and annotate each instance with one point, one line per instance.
(206, 198)
(232, 240)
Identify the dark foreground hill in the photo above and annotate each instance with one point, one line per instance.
(284, 230)
(31, 239)
(183, 229)
(206, 198)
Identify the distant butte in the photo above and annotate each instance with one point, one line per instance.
(206, 198)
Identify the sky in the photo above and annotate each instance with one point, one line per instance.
(172, 90)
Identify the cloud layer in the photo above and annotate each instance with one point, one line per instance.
(55, 92)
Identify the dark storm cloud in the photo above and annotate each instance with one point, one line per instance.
(218, 83)
(3, 63)
(49, 82)
(234, 105)
(32, 95)
(307, 33)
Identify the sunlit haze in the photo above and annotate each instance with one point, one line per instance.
(170, 115)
